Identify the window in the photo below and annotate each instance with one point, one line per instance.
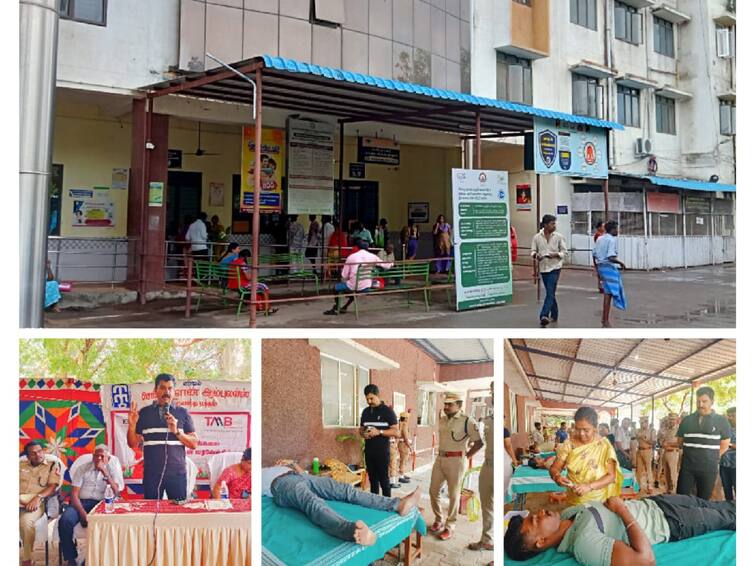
(665, 115)
(587, 96)
(399, 403)
(665, 224)
(327, 12)
(342, 386)
(583, 13)
(728, 116)
(87, 11)
(514, 78)
(580, 223)
(628, 102)
(628, 23)
(663, 37)
(426, 403)
(725, 42)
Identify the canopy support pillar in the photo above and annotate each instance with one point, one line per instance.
(256, 204)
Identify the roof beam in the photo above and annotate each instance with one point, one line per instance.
(188, 83)
(575, 384)
(621, 361)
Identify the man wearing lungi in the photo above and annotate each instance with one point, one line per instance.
(606, 256)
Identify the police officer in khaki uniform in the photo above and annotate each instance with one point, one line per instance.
(671, 451)
(404, 446)
(486, 485)
(455, 432)
(645, 444)
(39, 476)
(393, 466)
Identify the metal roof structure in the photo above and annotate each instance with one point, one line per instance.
(457, 351)
(676, 183)
(354, 97)
(610, 373)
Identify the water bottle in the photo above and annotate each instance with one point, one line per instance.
(223, 490)
(109, 499)
(315, 465)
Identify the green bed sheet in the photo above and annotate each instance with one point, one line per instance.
(290, 539)
(718, 548)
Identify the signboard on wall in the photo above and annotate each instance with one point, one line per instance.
(92, 208)
(310, 167)
(378, 150)
(523, 197)
(575, 150)
(272, 167)
(664, 202)
(481, 240)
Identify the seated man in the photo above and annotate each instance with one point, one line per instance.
(39, 477)
(348, 281)
(89, 483)
(617, 533)
(237, 477)
(290, 486)
(542, 463)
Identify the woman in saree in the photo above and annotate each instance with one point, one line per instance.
(593, 472)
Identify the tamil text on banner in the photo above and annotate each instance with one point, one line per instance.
(65, 414)
(481, 241)
(575, 150)
(310, 167)
(220, 410)
(379, 150)
(272, 167)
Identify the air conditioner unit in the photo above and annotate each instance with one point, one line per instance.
(643, 146)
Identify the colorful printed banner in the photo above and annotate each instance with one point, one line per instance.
(575, 150)
(273, 165)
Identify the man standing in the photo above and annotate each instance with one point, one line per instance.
(536, 438)
(393, 468)
(645, 444)
(728, 468)
(624, 437)
(562, 435)
(456, 431)
(606, 259)
(89, 484)
(166, 431)
(486, 484)
(548, 252)
(39, 476)
(405, 448)
(705, 438)
(378, 424)
(197, 236)
(670, 445)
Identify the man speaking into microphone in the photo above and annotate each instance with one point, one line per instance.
(165, 431)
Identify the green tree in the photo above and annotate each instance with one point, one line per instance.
(725, 389)
(135, 360)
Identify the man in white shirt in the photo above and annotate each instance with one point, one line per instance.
(548, 251)
(197, 236)
(624, 437)
(89, 484)
(290, 486)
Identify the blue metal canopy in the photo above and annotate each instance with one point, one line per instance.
(690, 184)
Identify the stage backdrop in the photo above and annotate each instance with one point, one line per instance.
(221, 411)
(64, 413)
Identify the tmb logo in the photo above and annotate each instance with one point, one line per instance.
(218, 421)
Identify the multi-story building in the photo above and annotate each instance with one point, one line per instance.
(666, 70)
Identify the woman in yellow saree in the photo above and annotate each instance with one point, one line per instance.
(593, 472)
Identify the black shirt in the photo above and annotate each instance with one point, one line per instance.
(506, 433)
(702, 437)
(382, 418)
(154, 429)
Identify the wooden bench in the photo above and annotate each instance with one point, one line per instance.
(412, 276)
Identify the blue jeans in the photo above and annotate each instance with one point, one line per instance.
(309, 493)
(68, 521)
(550, 282)
(173, 484)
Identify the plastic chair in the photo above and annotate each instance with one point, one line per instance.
(220, 462)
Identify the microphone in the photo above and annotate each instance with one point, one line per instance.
(164, 411)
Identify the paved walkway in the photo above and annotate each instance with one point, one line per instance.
(702, 297)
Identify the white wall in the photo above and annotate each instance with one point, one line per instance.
(135, 48)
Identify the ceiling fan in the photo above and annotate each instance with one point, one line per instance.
(199, 151)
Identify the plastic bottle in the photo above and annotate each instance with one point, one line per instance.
(109, 499)
(223, 490)
(315, 465)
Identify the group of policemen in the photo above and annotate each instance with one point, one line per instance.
(459, 440)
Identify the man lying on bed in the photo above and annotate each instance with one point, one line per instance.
(617, 533)
(290, 486)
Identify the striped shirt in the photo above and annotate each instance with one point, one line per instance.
(158, 441)
(702, 436)
(382, 418)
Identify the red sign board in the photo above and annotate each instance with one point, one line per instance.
(664, 202)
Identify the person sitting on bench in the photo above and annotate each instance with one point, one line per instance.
(290, 486)
(348, 283)
(617, 533)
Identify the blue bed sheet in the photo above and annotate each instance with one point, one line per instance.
(718, 548)
(290, 539)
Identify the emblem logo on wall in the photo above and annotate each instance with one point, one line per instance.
(564, 159)
(547, 144)
(590, 153)
(121, 396)
(483, 177)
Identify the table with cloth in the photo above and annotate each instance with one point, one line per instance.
(191, 534)
(289, 538)
(718, 548)
(530, 480)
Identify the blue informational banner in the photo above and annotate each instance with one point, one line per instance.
(575, 150)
